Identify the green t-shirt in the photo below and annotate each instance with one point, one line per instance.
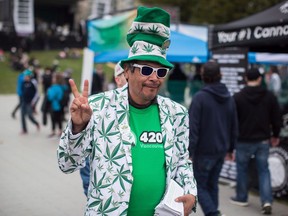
(148, 161)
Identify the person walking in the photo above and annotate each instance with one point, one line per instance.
(259, 126)
(29, 98)
(136, 140)
(46, 81)
(55, 94)
(213, 133)
(19, 87)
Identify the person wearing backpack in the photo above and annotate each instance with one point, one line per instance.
(55, 95)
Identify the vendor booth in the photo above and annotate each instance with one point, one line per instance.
(266, 31)
(261, 34)
(107, 39)
(183, 48)
(189, 43)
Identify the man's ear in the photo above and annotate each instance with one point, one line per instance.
(126, 70)
(126, 73)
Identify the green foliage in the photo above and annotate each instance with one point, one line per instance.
(223, 11)
(214, 11)
(8, 78)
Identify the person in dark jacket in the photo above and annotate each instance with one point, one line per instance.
(29, 98)
(55, 94)
(259, 126)
(213, 133)
(98, 80)
(46, 83)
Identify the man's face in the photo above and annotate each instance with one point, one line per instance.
(143, 89)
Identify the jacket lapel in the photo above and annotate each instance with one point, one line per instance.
(167, 133)
(122, 113)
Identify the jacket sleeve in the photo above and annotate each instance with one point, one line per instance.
(194, 125)
(185, 174)
(36, 95)
(234, 127)
(74, 148)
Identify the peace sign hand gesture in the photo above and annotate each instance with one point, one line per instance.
(80, 110)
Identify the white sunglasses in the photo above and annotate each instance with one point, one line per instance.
(146, 70)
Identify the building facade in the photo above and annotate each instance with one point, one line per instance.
(57, 21)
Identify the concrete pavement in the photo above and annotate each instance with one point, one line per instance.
(31, 183)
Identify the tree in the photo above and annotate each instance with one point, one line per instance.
(214, 11)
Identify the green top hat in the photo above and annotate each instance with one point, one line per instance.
(148, 36)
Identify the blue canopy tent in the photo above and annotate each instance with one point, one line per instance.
(188, 49)
(189, 44)
(183, 48)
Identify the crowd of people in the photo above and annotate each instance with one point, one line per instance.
(34, 82)
(127, 140)
(49, 86)
(130, 141)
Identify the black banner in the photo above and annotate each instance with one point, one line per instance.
(233, 64)
(250, 36)
(265, 31)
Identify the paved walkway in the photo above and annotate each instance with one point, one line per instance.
(31, 183)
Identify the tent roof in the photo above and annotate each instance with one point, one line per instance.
(183, 48)
(270, 16)
(266, 31)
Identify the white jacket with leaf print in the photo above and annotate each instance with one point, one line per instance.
(108, 139)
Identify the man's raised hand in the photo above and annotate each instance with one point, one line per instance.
(80, 110)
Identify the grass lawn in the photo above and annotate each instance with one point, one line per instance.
(8, 76)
